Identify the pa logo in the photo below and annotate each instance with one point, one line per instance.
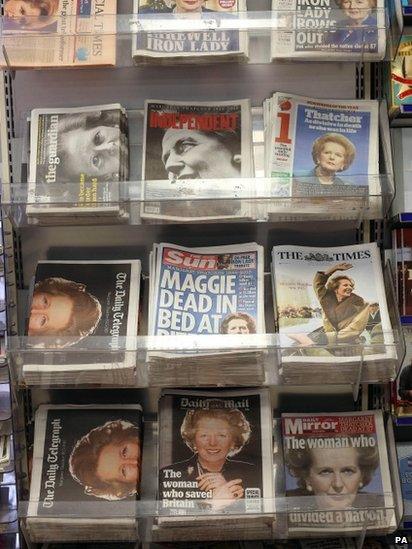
(401, 539)
(82, 54)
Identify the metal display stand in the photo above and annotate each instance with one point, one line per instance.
(25, 244)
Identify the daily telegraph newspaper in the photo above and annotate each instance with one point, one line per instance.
(88, 145)
(59, 33)
(331, 296)
(329, 29)
(400, 82)
(200, 43)
(318, 141)
(73, 300)
(347, 483)
(189, 148)
(215, 454)
(213, 290)
(84, 459)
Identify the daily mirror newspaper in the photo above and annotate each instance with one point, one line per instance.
(63, 490)
(329, 29)
(59, 33)
(215, 457)
(200, 43)
(77, 157)
(87, 308)
(196, 147)
(336, 466)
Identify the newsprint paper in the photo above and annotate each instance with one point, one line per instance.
(91, 306)
(206, 291)
(190, 150)
(199, 43)
(331, 312)
(59, 33)
(69, 500)
(333, 30)
(337, 468)
(77, 157)
(317, 147)
(215, 459)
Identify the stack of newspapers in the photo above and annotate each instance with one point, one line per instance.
(215, 465)
(82, 323)
(349, 487)
(86, 473)
(317, 148)
(78, 156)
(193, 32)
(62, 33)
(330, 30)
(197, 159)
(211, 299)
(332, 315)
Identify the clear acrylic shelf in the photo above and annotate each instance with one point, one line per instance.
(210, 360)
(252, 199)
(375, 514)
(116, 34)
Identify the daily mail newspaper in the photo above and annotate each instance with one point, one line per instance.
(213, 290)
(331, 296)
(88, 146)
(88, 308)
(314, 144)
(199, 43)
(337, 468)
(329, 29)
(59, 33)
(66, 438)
(192, 148)
(215, 454)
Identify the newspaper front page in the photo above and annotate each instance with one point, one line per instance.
(59, 33)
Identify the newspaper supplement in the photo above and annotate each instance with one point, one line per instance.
(64, 485)
(329, 29)
(215, 455)
(91, 306)
(336, 465)
(85, 149)
(331, 306)
(201, 43)
(189, 148)
(65, 33)
(320, 143)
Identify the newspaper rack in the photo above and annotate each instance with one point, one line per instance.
(259, 199)
(263, 351)
(272, 513)
(120, 31)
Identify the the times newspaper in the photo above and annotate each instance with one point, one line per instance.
(193, 149)
(200, 43)
(400, 82)
(213, 290)
(78, 156)
(59, 33)
(322, 147)
(329, 29)
(331, 308)
(67, 501)
(336, 466)
(215, 457)
(88, 308)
